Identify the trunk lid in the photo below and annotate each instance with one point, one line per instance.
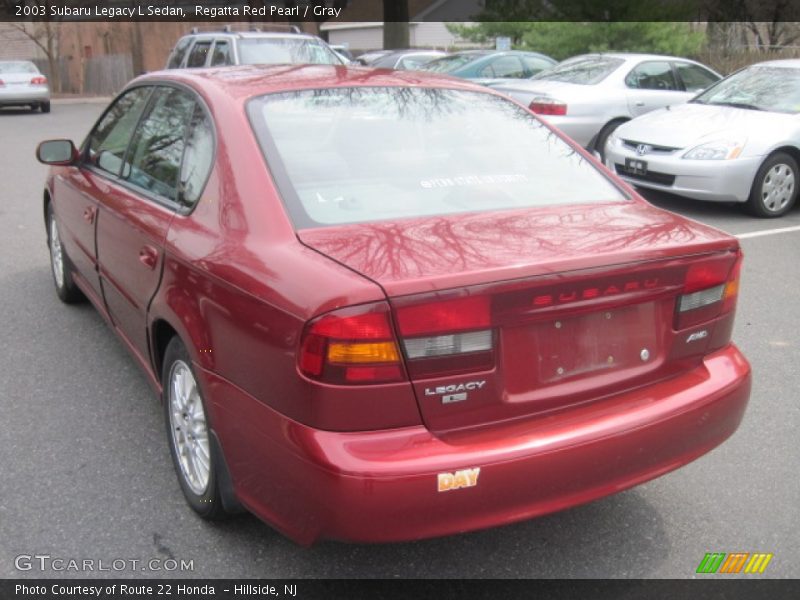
(580, 302)
(17, 79)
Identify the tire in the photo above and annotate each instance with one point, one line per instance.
(775, 187)
(188, 434)
(60, 265)
(602, 137)
(45, 107)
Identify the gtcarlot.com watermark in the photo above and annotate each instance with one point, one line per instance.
(58, 564)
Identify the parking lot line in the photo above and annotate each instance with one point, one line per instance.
(753, 234)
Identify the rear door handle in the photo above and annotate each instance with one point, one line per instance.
(89, 214)
(639, 103)
(148, 256)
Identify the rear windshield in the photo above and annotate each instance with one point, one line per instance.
(585, 71)
(278, 50)
(448, 64)
(18, 66)
(350, 155)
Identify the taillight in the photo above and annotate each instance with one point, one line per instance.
(39, 80)
(2, 83)
(548, 106)
(710, 289)
(354, 345)
(447, 336)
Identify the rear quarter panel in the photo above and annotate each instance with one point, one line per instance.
(238, 288)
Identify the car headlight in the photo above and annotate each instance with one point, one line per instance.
(613, 139)
(716, 150)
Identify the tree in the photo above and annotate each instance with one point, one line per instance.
(45, 35)
(564, 39)
(771, 23)
(395, 24)
(591, 10)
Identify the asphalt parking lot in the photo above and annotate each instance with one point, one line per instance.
(86, 472)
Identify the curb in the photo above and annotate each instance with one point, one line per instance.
(82, 100)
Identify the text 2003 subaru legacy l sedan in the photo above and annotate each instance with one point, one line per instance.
(384, 305)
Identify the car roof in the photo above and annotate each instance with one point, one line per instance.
(630, 56)
(250, 34)
(246, 81)
(488, 53)
(399, 53)
(17, 61)
(787, 63)
(474, 52)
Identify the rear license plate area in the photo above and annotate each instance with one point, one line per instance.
(613, 339)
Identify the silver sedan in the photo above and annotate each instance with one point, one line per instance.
(21, 84)
(737, 142)
(589, 96)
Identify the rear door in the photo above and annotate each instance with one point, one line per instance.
(222, 55)
(198, 55)
(651, 85)
(694, 78)
(137, 209)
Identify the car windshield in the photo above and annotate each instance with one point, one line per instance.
(775, 89)
(448, 64)
(283, 50)
(347, 155)
(18, 66)
(585, 71)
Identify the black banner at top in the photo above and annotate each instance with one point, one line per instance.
(298, 11)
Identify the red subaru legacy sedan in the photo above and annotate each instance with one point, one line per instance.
(385, 305)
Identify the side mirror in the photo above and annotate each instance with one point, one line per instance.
(57, 152)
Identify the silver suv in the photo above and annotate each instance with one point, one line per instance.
(227, 47)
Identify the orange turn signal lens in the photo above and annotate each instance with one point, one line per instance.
(360, 352)
(731, 289)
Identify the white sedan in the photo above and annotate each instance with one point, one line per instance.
(589, 96)
(21, 84)
(737, 142)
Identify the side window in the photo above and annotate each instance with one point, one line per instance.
(222, 53)
(508, 66)
(176, 58)
(695, 78)
(198, 157)
(110, 138)
(534, 65)
(154, 158)
(653, 75)
(197, 57)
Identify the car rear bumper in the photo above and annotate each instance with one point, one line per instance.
(713, 180)
(381, 486)
(582, 129)
(19, 95)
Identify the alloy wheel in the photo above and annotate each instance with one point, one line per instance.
(189, 429)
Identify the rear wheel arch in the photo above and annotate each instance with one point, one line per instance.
(599, 141)
(45, 203)
(162, 333)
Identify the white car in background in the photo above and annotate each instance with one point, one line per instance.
(739, 141)
(21, 84)
(589, 96)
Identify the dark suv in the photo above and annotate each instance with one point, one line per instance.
(220, 48)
